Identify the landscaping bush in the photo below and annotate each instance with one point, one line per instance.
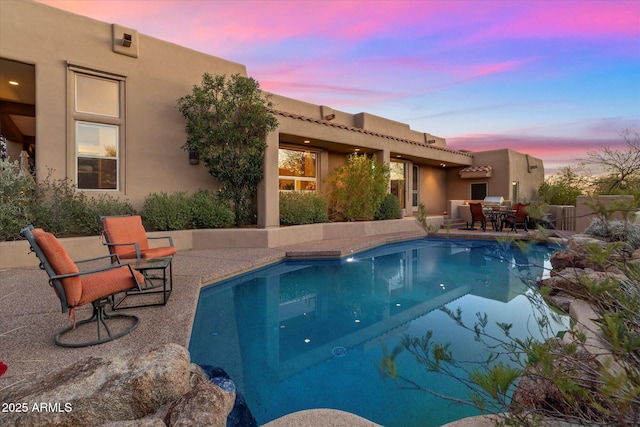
(61, 209)
(302, 208)
(52, 204)
(209, 211)
(320, 207)
(389, 208)
(16, 193)
(358, 187)
(615, 231)
(104, 205)
(163, 212)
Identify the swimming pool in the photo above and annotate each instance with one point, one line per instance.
(302, 334)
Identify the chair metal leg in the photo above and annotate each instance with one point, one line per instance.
(101, 319)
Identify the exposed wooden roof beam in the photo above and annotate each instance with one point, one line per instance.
(17, 108)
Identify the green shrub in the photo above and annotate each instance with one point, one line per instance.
(358, 187)
(302, 208)
(320, 207)
(208, 211)
(105, 205)
(16, 193)
(57, 207)
(163, 212)
(53, 204)
(61, 209)
(615, 231)
(389, 208)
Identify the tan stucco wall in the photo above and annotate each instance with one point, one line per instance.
(508, 166)
(528, 171)
(153, 160)
(433, 189)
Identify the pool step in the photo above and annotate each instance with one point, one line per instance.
(454, 223)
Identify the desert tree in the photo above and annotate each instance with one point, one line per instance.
(620, 167)
(228, 119)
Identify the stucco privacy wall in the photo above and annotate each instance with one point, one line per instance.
(587, 207)
(154, 130)
(16, 254)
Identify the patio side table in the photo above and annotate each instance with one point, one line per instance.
(156, 282)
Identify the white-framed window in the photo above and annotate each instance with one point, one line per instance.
(98, 129)
(97, 155)
(297, 170)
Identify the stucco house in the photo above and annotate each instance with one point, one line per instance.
(95, 103)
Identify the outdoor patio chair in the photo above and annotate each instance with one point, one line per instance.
(126, 237)
(519, 218)
(478, 215)
(128, 241)
(76, 289)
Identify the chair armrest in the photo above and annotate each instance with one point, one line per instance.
(163, 237)
(135, 245)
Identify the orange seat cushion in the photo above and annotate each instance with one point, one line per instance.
(61, 264)
(164, 251)
(100, 285)
(125, 229)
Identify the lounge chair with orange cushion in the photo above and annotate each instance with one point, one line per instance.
(76, 289)
(126, 237)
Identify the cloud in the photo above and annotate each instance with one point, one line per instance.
(555, 151)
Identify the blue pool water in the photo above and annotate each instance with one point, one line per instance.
(303, 334)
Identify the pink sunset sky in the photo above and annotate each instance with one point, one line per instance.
(549, 78)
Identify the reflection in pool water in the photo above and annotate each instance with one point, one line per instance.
(304, 334)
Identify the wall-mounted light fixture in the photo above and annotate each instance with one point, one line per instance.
(194, 158)
(431, 141)
(330, 116)
(124, 40)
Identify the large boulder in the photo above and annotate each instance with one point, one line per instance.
(576, 256)
(241, 415)
(574, 282)
(536, 392)
(583, 353)
(98, 390)
(204, 405)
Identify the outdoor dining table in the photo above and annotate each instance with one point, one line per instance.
(497, 216)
